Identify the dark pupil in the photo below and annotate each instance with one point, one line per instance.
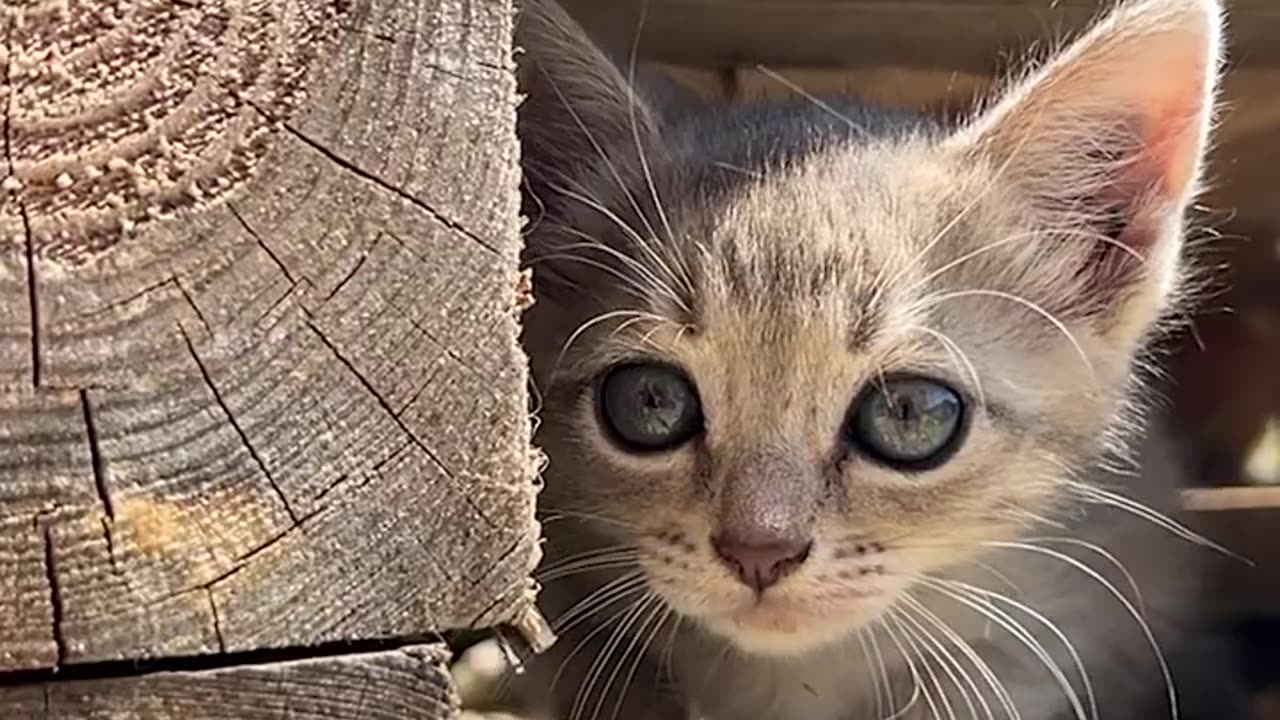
(659, 409)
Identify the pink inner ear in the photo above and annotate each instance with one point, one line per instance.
(1173, 145)
(1171, 110)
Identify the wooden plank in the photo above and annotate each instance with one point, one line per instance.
(1226, 499)
(977, 36)
(260, 383)
(1245, 165)
(407, 684)
(1251, 583)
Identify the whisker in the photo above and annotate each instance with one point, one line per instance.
(988, 674)
(1101, 551)
(916, 644)
(1047, 624)
(662, 286)
(657, 616)
(607, 550)
(818, 102)
(635, 237)
(598, 599)
(1102, 496)
(871, 671)
(1061, 327)
(1119, 596)
(588, 566)
(595, 145)
(957, 354)
(640, 151)
(568, 514)
(601, 661)
(920, 690)
(602, 317)
(987, 609)
(601, 627)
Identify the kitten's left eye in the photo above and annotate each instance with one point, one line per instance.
(649, 407)
(908, 423)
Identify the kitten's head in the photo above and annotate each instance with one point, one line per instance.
(801, 359)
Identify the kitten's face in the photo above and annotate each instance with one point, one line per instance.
(810, 293)
(801, 393)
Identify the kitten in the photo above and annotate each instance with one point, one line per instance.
(835, 400)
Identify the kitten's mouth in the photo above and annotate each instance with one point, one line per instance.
(779, 624)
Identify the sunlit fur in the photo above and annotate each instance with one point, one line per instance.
(1000, 584)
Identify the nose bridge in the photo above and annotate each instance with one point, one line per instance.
(769, 495)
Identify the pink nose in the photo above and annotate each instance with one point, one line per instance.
(761, 565)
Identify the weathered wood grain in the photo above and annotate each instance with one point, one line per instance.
(407, 684)
(259, 377)
(978, 36)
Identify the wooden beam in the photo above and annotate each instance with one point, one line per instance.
(978, 36)
(260, 383)
(407, 684)
(1227, 499)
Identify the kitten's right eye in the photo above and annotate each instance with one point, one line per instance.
(649, 407)
(908, 423)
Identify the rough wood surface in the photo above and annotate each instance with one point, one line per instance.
(407, 684)
(967, 35)
(259, 377)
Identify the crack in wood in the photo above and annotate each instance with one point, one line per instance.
(350, 274)
(386, 406)
(217, 622)
(33, 298)
(380, 182)
(235, 425)
(191, 301)
(112, 669)
(33, 295)
(95, 457)
(261, 243)
(55, 592)
(294, 291)
(111, 547)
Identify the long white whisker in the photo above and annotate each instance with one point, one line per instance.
(818, 102)
(1105, 554)
(635, 136)
(595, 145)
(602, 317)
(871, 671)
(635, 237)
(601, 627)
(922, 649)
(939, 298)
(988, 674)
(657, 617)
(1119, 596)
(1102, 496)
(920, 690)
(986, 608)
(599, 663)
(599, 598)
(958, 356)
(648, 274)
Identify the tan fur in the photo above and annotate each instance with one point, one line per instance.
(966, 257)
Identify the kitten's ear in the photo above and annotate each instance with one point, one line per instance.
(1107, 141)
(578, 104)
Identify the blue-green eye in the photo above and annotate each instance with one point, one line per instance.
(649, 407)
(908, 423)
